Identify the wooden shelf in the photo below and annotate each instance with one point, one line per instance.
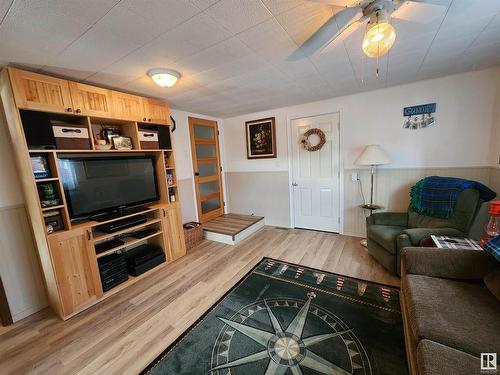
(105, 236)
(68, 253)
(133, 279)
(52, 208)
(127, 244)
(172, 186)
(46, 179)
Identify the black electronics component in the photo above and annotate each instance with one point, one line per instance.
(95, 185)
(143, 258)
(104, 246)
(115, 226)
(143, 233)
(113, 270)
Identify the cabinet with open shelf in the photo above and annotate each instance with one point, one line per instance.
(67, 255)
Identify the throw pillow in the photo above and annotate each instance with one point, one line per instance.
(493, 247)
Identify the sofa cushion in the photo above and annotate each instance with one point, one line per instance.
(459, 314)
(434, 358)
(492, 282)
(385, 235)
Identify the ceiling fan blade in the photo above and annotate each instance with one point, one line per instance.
(344, 34)
(331, 29)
(419, 12)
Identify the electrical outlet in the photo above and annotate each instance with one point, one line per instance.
(354, 176)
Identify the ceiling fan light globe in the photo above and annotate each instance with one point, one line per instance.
(379, 39)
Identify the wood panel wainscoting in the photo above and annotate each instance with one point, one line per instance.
(124, 333)
(67, 256)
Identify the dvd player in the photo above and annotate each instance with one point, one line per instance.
(115, 226)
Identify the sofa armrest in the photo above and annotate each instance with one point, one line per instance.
(418, 234)
(446, 263)
(388, 218)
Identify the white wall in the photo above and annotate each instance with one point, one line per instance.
(465, 110)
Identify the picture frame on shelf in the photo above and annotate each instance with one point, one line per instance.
(122, 143)
(261, 138)
(40, 166)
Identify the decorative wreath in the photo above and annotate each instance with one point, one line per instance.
(304, 140)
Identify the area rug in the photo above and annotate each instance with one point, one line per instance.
(287, 319)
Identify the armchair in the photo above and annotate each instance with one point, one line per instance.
(389, 232)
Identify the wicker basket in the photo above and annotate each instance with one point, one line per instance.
(193, 234)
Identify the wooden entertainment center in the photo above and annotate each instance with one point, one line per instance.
(68, 257)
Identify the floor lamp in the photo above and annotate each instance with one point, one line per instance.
(372, 155)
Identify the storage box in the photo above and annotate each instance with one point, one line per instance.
(71, 136)
(53, 221)
(149, 139)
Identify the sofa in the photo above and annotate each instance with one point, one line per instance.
(389, 232)
(450, 315)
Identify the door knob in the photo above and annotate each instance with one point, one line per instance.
(295, 184)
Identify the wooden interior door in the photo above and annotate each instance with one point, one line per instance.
(207, 168)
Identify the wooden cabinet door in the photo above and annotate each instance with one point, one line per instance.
(127, 107)
(173, 231)
(90, 100)
(40, 92)
(76, 269)
(156, 111)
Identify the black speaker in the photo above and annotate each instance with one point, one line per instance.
(38, 130)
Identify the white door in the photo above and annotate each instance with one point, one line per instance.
(316, 175)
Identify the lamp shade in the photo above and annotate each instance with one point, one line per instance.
(373, 155)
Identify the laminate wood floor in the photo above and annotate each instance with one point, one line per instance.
(124, 333)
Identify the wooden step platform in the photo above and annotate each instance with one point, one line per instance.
(232, 228)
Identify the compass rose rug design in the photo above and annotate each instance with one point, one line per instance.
(286, 319)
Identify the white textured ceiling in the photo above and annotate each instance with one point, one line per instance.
(234, 55)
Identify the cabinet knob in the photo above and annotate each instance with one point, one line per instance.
(78, 110)
(144, 119)
(149, 119)
(69, 109)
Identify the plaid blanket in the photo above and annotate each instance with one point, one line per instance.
(493, 247)
(436, 196)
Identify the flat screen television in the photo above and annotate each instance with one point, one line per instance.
(97, 185)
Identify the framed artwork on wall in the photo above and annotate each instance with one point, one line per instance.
(261, 138)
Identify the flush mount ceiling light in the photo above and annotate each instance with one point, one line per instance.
(164, 77)
(380, 35)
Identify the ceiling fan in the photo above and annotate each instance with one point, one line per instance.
(376, 15)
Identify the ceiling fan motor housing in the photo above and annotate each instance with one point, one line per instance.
(384, 8)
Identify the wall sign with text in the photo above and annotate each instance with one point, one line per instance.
(419, 116)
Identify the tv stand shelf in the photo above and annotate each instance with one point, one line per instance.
(128, 243)
(67, 255)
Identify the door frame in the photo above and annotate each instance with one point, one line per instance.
(191, 120)
(290, 141)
